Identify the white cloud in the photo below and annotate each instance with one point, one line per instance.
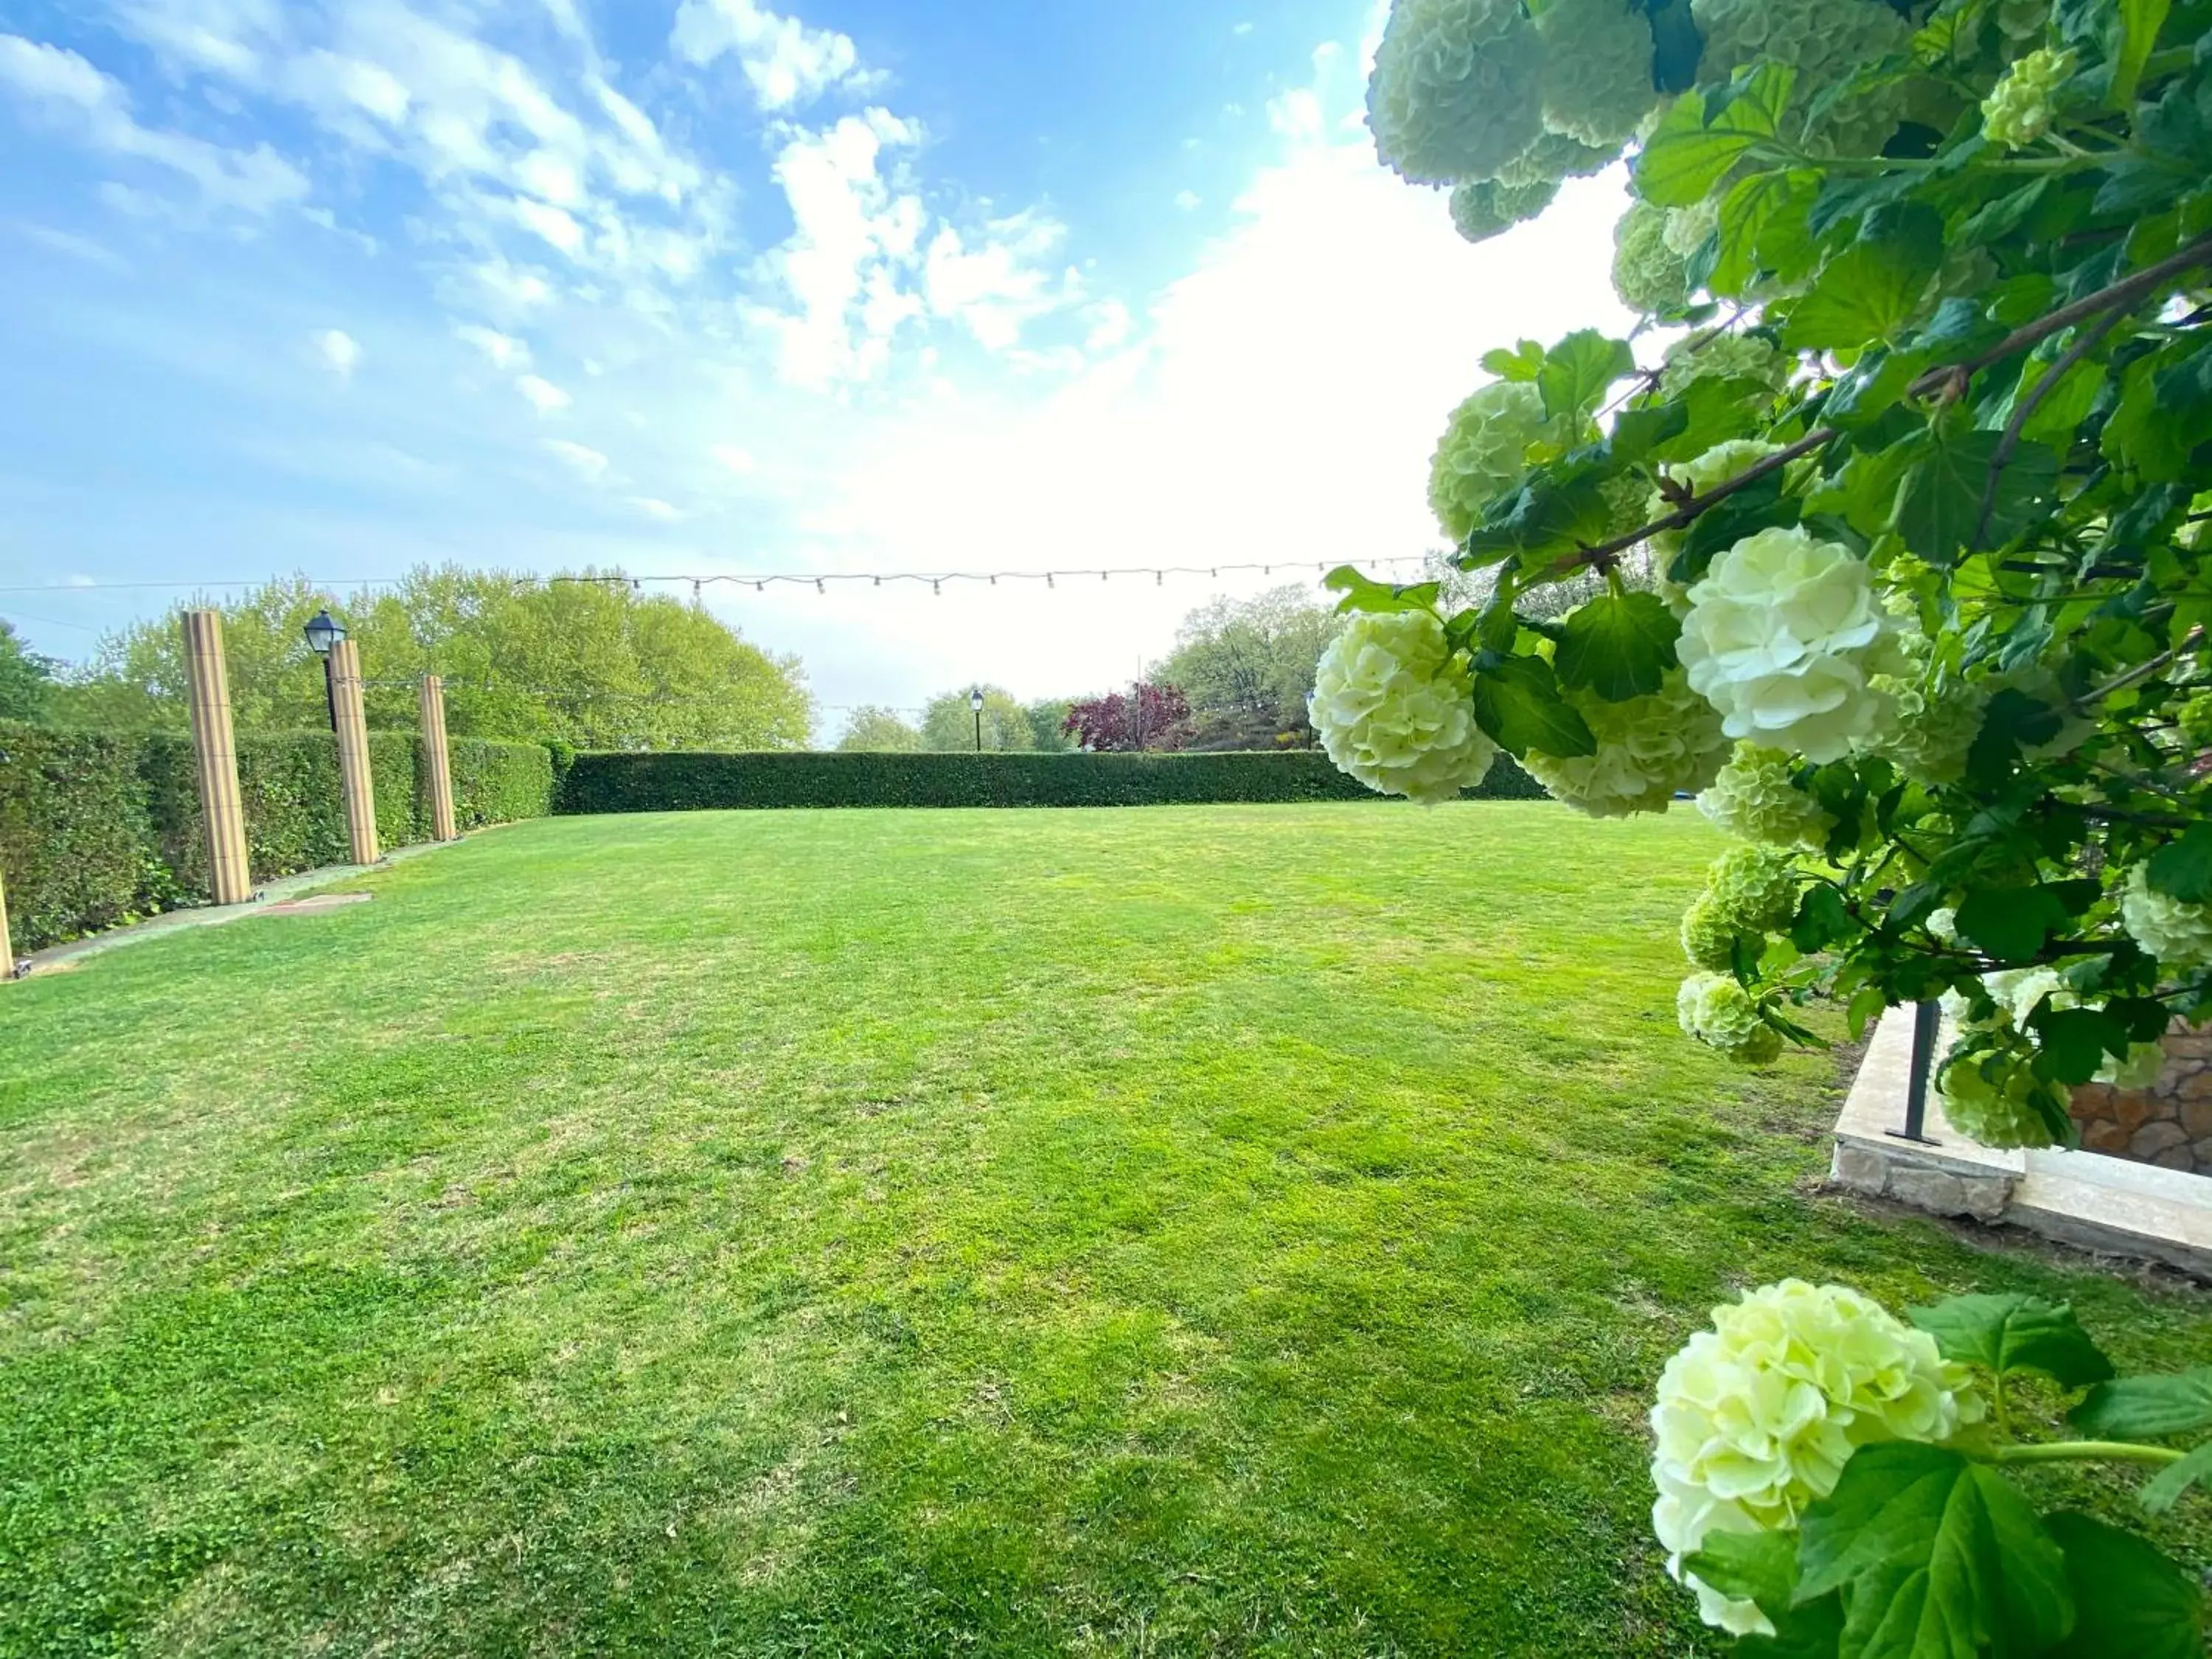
(65, 90)
(740, 461)
(339, 352)
(544, 397)
(1188, 200)
(654, 509)
(788, 64)
(588, 463)
(500, 351)
(75, 246)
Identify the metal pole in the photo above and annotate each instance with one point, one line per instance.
(978, 730)
(330, 694)
(1927, 1018)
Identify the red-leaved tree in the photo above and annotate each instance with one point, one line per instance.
(1144, 718)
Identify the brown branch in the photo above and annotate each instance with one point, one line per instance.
(2121, 294)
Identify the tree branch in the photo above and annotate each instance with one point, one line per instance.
(2020, 417)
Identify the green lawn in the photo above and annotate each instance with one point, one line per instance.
(1162, 1231)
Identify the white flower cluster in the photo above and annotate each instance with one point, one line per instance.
(2178, 934)
(1484, 452)
(1826, 42)
(1597, 82)
(1555, 156)
(1756, 1417)
(2020, 107)
(1647, 274)
(1781, 637)
(1720, 1013)
(1715, 466)
(1723, 357)
(1394, 706)
(1993, 1110)
(1932, 729)
(1753, 799)
(1482, 208)
(1751, 892)
(1647, 749)
(2019, 991)
(1456, 93)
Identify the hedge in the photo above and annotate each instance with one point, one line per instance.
(598, 782)
(98, 829)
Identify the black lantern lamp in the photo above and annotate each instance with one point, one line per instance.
(975, 705)
(323, 634)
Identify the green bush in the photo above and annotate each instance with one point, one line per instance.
(690, 782)
(98, 828)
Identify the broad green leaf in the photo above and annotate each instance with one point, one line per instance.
(2128, 1598)
(2163, 1490)
(2065, 406)
(1953, 501)
(1524, 362)
(2073, 1042)
(2007, 1333)
(2013, 720)
(2183, 869)
(1577, 371)
(1938, 1558)
(2147, 1407)
(1821, 920)
(1867, 293)
(1759, 1567)
(1677, 45)
(1518, 702)
(2140, 22)
(1702, 139)
(1618, 645)
(1638, 432)
(2009, 923)
(1762, 227)
(1362, 593)
(1759, 505)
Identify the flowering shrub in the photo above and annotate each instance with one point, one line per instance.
(1391, 701)
(1918, 473)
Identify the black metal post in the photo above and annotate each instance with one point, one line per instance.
(978, 730)
(1927, 1018)
(331, 695)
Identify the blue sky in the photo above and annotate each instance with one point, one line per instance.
(707, 287)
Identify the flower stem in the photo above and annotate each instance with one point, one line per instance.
(2099, 1452)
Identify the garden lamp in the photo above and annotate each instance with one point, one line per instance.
(976, 705)
(323, 634)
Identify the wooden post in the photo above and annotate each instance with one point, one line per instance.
(434, 749)
(354, 779)
(229, 874)
(7, 948)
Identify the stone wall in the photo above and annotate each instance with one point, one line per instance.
(2169, 1124)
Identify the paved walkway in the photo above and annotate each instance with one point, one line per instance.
(276, 892)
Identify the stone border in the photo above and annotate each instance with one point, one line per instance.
(2083, 1199)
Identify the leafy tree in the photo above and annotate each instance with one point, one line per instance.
(1921, 482)
(1254, 658)
(879, 729)
(1049, 723)
(26, 679)
(949, 724)
(590, 662)
(1148, 717)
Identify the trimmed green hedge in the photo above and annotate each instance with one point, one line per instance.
(98, 828)
(595, 782)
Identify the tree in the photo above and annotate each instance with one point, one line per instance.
(1921, 484)
(1049, 723)
(26, 679)
(949, 724)
(1252, 661)
(879, 729)
(1146, 718)
(585, 659)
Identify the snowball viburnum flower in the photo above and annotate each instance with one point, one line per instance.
(2178, 934)
(1753, 799)
(2020, 107)
(1484, 452)
(1647, 274)
(2018, 992)
(1715, 466)
(1456, 90)
(1781, 637)
(1647, 749)
(1395, 708)
(1932, 730)
(1826, 42)
(1995, 1111)
(1555, 156)
(1723, 357)
(1755, 888)
(1756, 1417)
(1720, 1013)
(1597, 81)
(1482, 208)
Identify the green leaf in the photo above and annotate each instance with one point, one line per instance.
(2147, 1407)
(1866, 294)
(1362, 593)
(1524, 362)
(1947, 506)
(2140, 22)
(1938, 1558)
(1703, 136)
(2009, 923)
(2128, 1598)
(2012, 720)
(1821, 920)
(1638, 432)
(1618, 645)
(1518, 702)
(2008, 1334)
(1759, 1567)
(1762, 227)
(1677, 45)
(2183, 869)
(2162, 1492)
(1757, 506)
(2065, 406)
(1577, 371)
(2074, 1042)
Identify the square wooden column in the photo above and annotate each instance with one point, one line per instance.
(354, 776)
(215, 754)
(434, 750)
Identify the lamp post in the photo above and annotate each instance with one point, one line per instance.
(323, 632)
(976, 707)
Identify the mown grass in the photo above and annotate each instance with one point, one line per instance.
(1177, 1230)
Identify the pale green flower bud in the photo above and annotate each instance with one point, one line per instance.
(1647, 749)
(2020, 108)
(1720, 1013)
(1753, 799)
(1647, 274)
(1484, 452)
